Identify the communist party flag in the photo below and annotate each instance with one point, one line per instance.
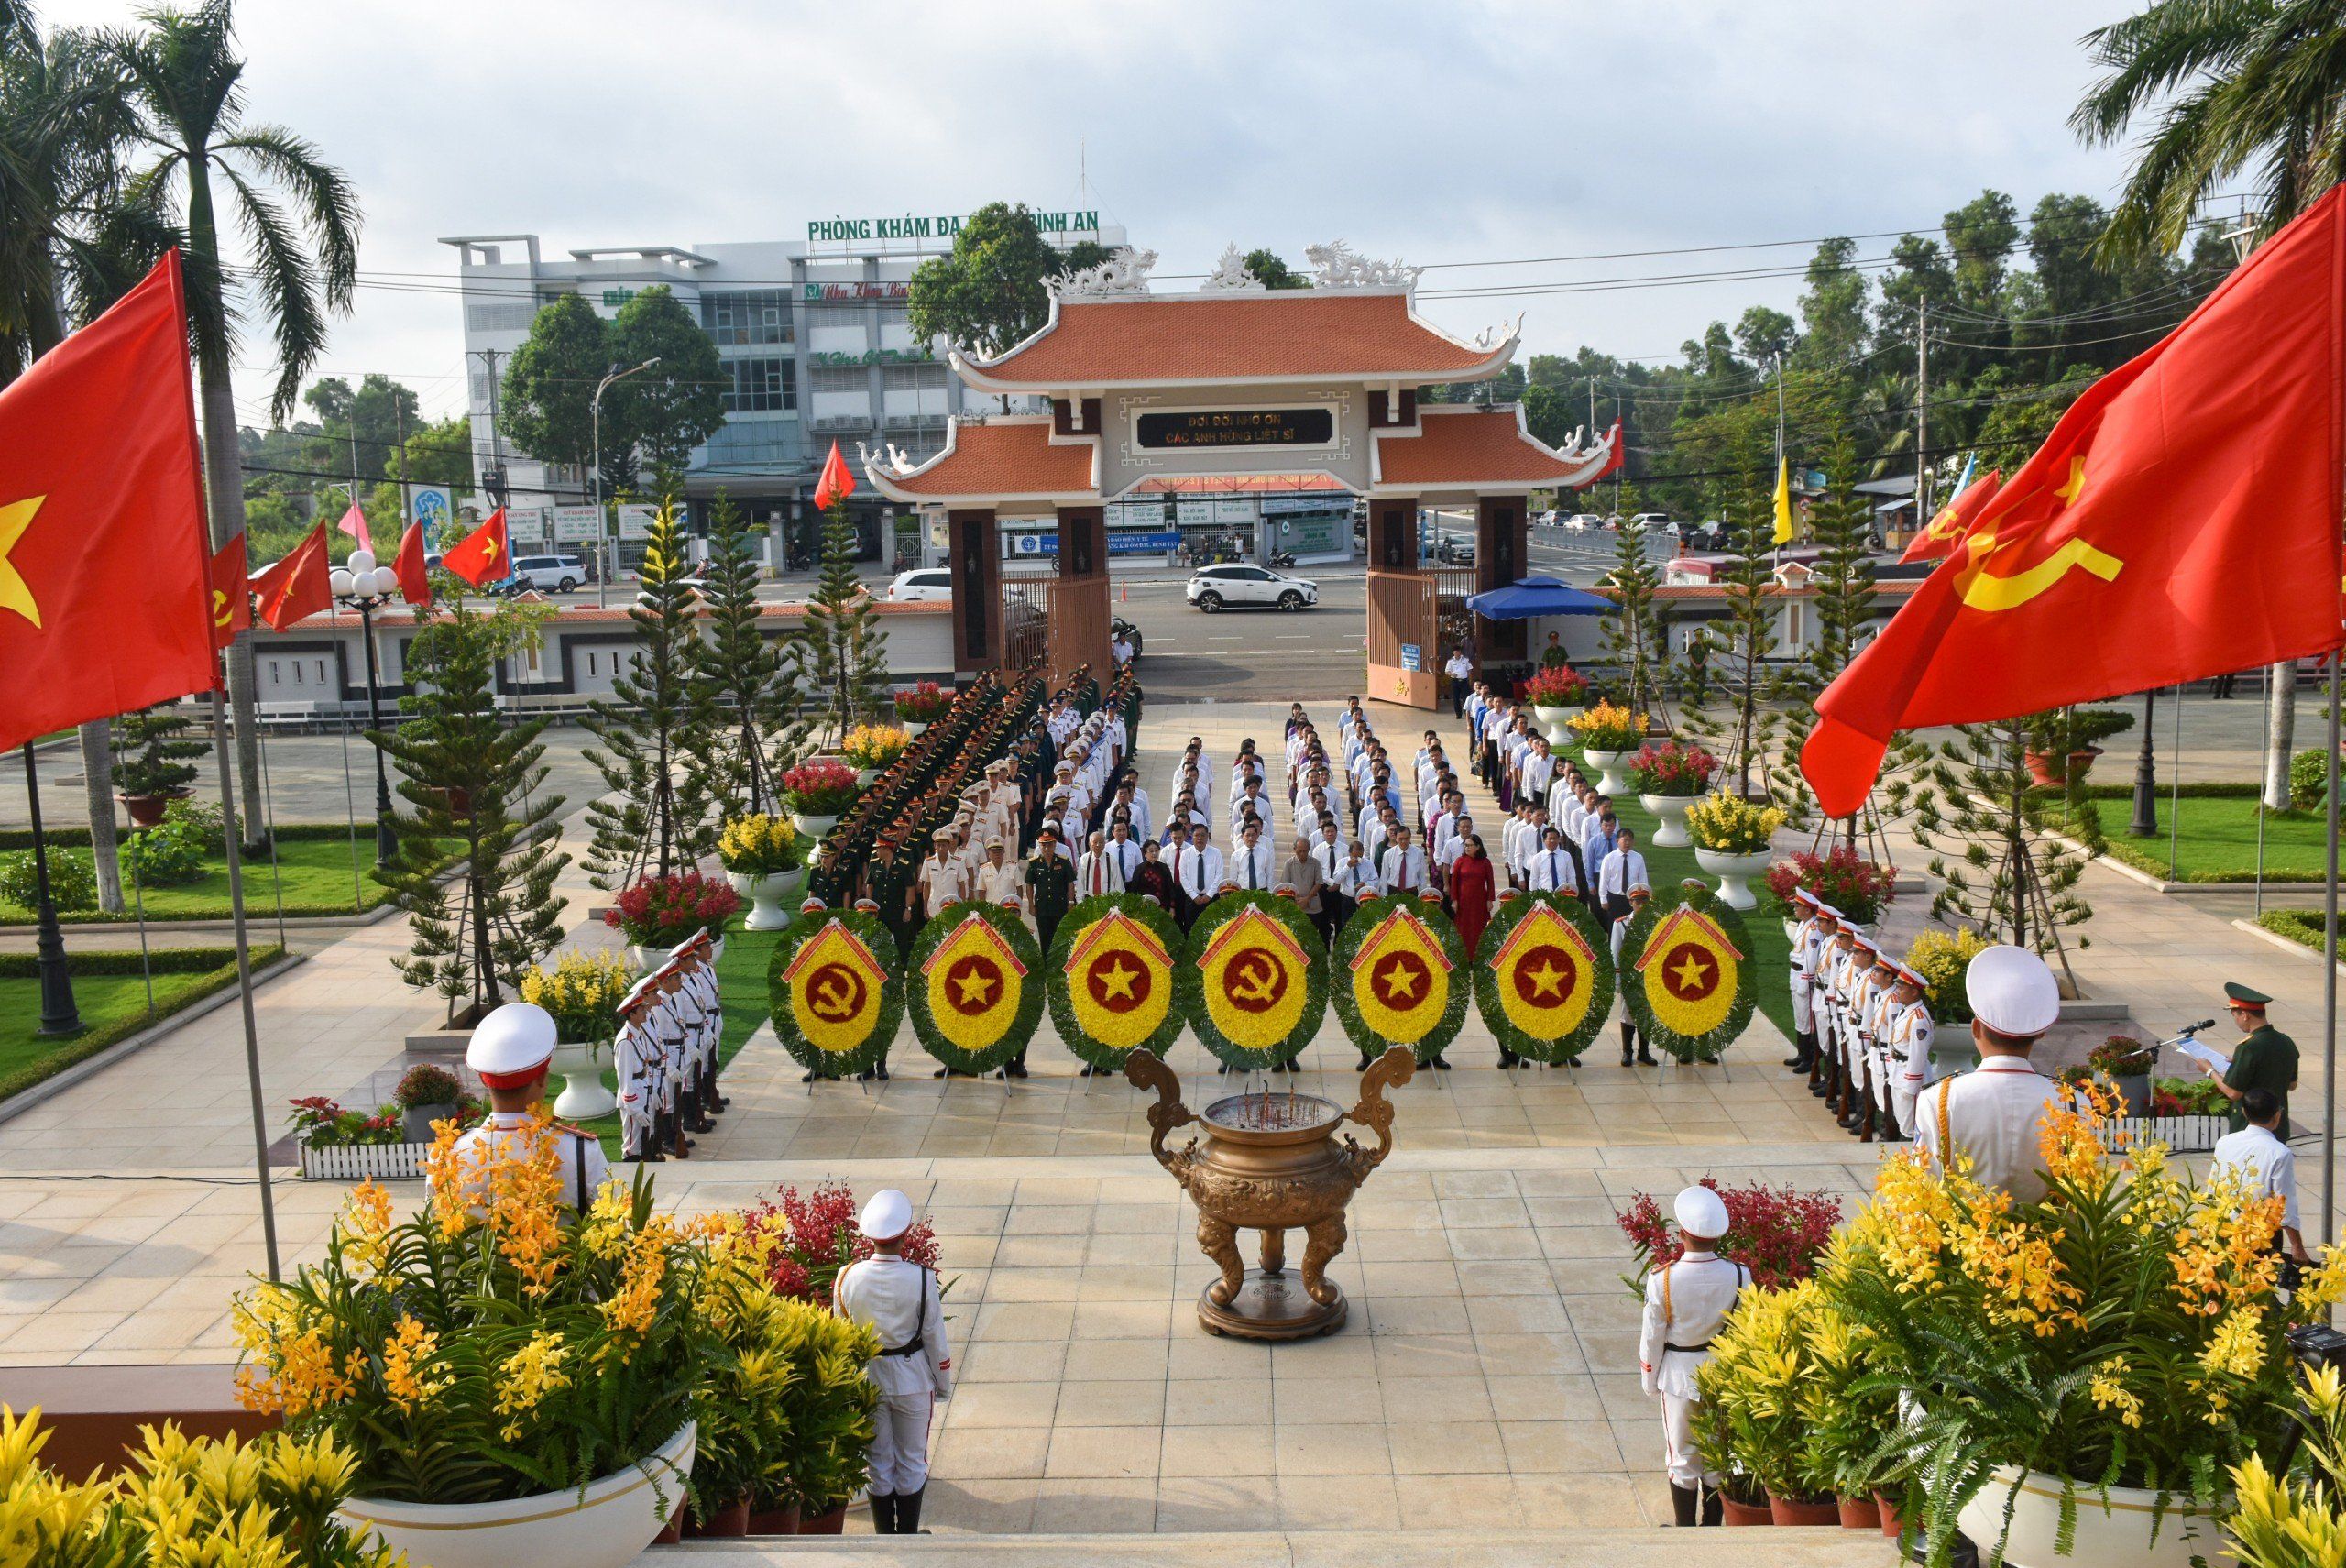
(297, 586)
(484, 555)
(838, 482)
(2181, 521)
(414, 575)
(232, 598)
(104, 602)
(1936, 539)
(354, 523)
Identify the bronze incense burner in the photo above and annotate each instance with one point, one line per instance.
(1271, 1162)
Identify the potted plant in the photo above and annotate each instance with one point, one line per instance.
(173, 853)
(2061, 745)
(1608, 734)
(427, 1094)
(808, 1237)
(1555, 695)
(342, 1141)
(920, 706)
(582, 991)
(1762, 1376)
(2126, 1063)
(1741, 1500)
(762, 860)
(656, 912)
(826, 1407)
(819, 793)
(514, 1380)
(869, 748)
(1851, 1413)
(1669, 778)
(1777, 1233)
(1859, 888)
(1733, 841)
(151, 762)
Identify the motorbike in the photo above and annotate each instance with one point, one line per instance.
(1282, 558)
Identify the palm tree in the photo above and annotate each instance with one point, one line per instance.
(2233, 83)
(299, 218)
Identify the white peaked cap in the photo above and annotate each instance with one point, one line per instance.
(2011, 991)
(510, 1044)
(888, 1215)
(1699, 1213)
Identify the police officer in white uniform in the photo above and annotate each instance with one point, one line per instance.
(511, 1050)
(1910, 1042)
(635, 1055)
(1991, 1114)
(1687, 1303)
(899, 1301)
(1806, 937)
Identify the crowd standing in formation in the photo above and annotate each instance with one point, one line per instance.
(671, 1023)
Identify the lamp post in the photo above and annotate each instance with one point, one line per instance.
(2146, 779)
(605, 559)
(364, 586)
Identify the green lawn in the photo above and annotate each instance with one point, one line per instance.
(316, 873)
(2216, 840)
(113, 1003)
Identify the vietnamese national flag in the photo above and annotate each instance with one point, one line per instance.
(1937, 540)
(354, 523)
(836, 483)
(105, 605)
(231, 595)
(298, 587)
(2181, 521)
(414, 575)
(484, 555)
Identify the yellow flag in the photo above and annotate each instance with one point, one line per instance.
(1783, 501)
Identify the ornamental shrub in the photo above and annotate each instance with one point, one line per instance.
(758, 845)
(1778, 1232)
(661, 911)
(873, 745)
(1727, 826)
(583, 994)
(1561, 686)
(2309, 779)
(427, 1083)
(1670, 768)
(821, 789)
(808, 1237)
(1941, 958)
(1861, 889)
(170, 854)
(73, 880)
(1608, 728)
(924, 704)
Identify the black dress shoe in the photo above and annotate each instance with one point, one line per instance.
(806, 1077)
(941, 1072)
(1645, 1057)
(1798, 1064)
(1440, 1065)
(883, 1071)
(1507, 1058)
(1017, 1070)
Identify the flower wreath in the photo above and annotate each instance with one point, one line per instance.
(1356, 931)
(1190, 986)
(1072, 1010)
(1023, 945)
(867, 930)
(1654, 1021)
(1490, 1001)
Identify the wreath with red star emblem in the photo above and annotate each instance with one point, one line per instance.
(1364, 923)
(1533, 974)
(1299, 1019)
(787, 1026)
(1111, 984)
(1682, 979)
(930, 1029)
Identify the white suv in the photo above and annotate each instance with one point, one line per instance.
(563, 573)
(932, 584)
(1212, 588)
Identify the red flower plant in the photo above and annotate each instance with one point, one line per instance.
(924, 704)
(1560, 687)
(1775, 1232)
(816, 1235)
(1856, 886)
(821, 789)
(1671, 769)
(661, 911)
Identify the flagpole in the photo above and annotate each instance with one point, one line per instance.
(244, 982)
(2329, 982)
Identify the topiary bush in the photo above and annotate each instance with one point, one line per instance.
(73, 880)
(2309, 779)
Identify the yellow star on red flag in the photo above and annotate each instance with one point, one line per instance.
(15, 592)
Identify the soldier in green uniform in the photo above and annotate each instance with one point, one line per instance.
(827, 880)
(2265, 1058)
(1050, 881)
(889, 883)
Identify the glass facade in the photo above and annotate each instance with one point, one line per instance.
(768, 384)
(755, 316)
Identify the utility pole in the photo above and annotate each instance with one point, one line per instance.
(1923, 412)
(492, 478)
(399, 416)
(1621, 467)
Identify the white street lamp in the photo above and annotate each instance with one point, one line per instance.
(604, 558)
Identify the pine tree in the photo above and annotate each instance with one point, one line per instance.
(755, 687)
(653, 733)
(470, 779)
(1747, 632)
(149, 746)
(1635, 639)
(846, 651)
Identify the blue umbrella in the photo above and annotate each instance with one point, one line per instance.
(1530, 596)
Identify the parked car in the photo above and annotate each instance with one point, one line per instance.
(1454, 550)
(930, 585)
(1584, 522)
(562, 573)
(1212, 588)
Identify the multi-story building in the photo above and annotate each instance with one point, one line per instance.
(814, 336)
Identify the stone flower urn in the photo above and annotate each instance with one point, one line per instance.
(1271, 1161)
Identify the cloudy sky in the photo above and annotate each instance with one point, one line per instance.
(1441, 133)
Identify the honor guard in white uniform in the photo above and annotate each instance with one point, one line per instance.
(635, 1055)
(511, 1051)
(1910, 1039)
(668, 1028)
(705, 1026)
(1808, 937)
(1881, 1116)
(1856, 1029)
(1829, 1003)
(899, 1300)
(692, 1106)
(1687, 1303)
(1990, 1115)
(942, 881)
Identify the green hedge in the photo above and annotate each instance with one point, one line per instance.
(81, 1047)
(161, 961)
(2208, 791)
(2302, 926)
(78, 838)
(2149, 856)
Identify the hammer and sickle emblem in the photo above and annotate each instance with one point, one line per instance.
(221, 614)
(832, 1001)
(1983, 589)
(1260, 986)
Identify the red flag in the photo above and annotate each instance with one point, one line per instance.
(1620, 455)
(415, 578)
(484, 555)
(299, 586)
(836, 483)
(104, 606)
(1954, 520)
(231, 597)
(2181, 521)
(354, 523)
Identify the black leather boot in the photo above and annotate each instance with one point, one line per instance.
(883, 1513)
(909, 1512)
(1628, 1034)
(1713, 1509)
(1682, 1506)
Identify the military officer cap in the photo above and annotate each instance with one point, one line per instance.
(888, 1215)
(1429, 896)
(637, 994)
(1049, 830)
(1637, 887)
(1867, 943)
(1227, 886)
(1065, 767)
(512, 1045)
(812, 906)
(1699, 1213)
(1909, 975)
(1010, 900)
(2011, 991)
(1827, 910)
(1804, 896)
(2240, 995)
(943, 835)
(1283, 889)
(867, 905)
(996, 844)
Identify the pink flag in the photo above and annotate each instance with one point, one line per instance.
(354, 523)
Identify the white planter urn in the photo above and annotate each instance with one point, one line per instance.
(607, 1525)
(1733, 873)
(767, 896)
(1613, 781)
(813, 825)
(1556, 721)
(646, 959)
(583, 1096)
(1670, 817)
(913, 726)
(865, 775)
(2112, 1534)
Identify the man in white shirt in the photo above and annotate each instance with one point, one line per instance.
(2262, 1165)
(1121, 650)
(1251, 861)
(1538, 768)
(1990, 1115)
(1097, 872)
(999, 880)
(1402, 867)
(1448, 850)
(1621, 867)
(1597, 836)
(1460, 670)
(1125, 849)
(1197, 873)
(1554, 869)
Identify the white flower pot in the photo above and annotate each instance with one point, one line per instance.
(1556, 721)
(2116, 1534)
(583, 1096)
(1670, 815)
(767, 895)
(646, 959)
(865, 775)
(607, 1525)
(814, 827)
(913, 726)
(1613, 781)
(1732, 871)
